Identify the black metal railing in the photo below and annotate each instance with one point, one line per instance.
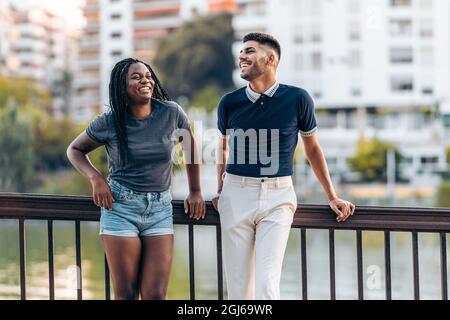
(23, 207)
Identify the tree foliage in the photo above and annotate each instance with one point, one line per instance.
(443, 195)
(16, 157)
(370, 159)
(197, 55)
(207, 98)
(21, 92)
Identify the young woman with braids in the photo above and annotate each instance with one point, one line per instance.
(136, 224)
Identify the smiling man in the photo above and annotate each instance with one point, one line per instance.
(256, 199)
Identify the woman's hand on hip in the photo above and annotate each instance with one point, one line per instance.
(194, 205)
(101, 193)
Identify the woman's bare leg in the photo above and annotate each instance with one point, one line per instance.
(123, 255)
(156, 263)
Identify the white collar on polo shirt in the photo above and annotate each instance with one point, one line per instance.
(253, 96)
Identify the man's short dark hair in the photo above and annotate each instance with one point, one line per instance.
(264, 38)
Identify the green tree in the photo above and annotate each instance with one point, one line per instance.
(207, 98)
(197, 55)
(370, 159)
(448, 154)
(62, 87)
(443, 195)
(16, 157)
(52, 136)
(22, 91)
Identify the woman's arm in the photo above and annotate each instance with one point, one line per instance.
(77, 155)
(194, 204)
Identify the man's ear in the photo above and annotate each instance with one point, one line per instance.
(272, 59)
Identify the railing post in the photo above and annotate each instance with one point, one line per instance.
(304, 265)
(107, 281)
(359, 255)
(387, 262)
(444, 287)
(191, 262)
(415, 247)
(332, 265)
(51, 266)
(22, 250)
(219, 262)
(78, 260)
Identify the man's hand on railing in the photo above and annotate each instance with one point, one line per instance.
(342, 208)
(215, 202)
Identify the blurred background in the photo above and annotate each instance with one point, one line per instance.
(378, 70)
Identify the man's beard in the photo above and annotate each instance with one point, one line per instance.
(254, 73)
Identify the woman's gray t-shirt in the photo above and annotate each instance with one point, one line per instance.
(150, 145)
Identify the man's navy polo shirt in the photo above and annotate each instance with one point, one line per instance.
(264, 128)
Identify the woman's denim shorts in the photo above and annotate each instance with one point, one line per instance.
(137, 214)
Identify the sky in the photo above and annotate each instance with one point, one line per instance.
(70, 10)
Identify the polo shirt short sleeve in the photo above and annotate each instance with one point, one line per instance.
(307, 123)
(222, 118)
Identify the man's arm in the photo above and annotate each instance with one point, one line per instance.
(221, 163)
(316, 158)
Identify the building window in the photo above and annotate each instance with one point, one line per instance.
(316, 59)
(427, 85)
(400, 27)
(316, 36)
(298, 35)
(299, 63)
(354, 31)
(355, 59)
(427, 91)
(401, 3)
(401, 55)
(403, 83)
(355, 92)
(426, 28)
(116, 53)
(116, 35)
(116, 16)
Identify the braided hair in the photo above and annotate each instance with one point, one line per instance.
(119, 102)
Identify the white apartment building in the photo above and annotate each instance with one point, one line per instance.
(117, 29)
(7, 37)
(35, 44)
(376, 69)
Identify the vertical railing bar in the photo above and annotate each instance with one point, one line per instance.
(22, 262)
(219, 262)
(304, 264)
(359, 253)
(51, 265)
(78, 260)
(332, 265)
(444, 288)
(415, 247)
(387, 264)
(191, 262)
(107, 281)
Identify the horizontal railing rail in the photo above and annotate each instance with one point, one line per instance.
(52, 208)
